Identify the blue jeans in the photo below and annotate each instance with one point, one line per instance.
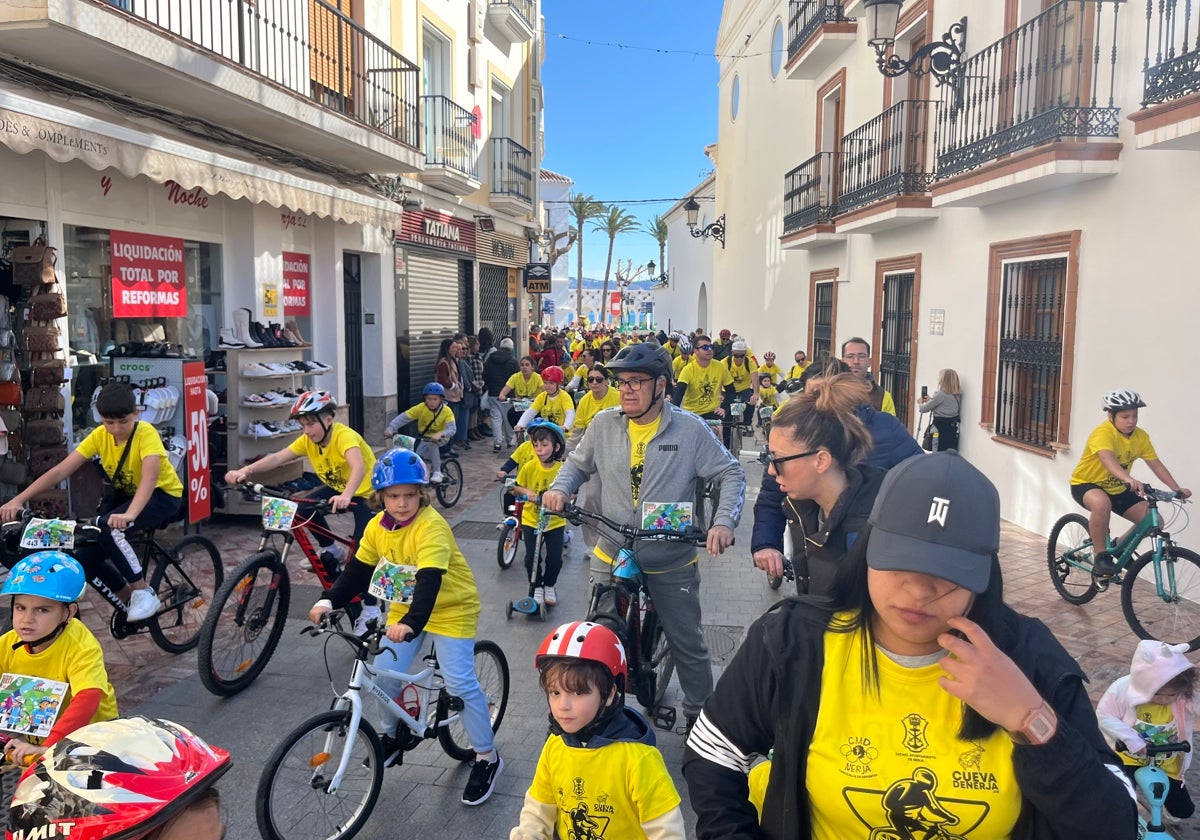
(461, 414)
(457, 660)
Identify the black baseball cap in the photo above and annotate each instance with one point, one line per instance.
(937, 515)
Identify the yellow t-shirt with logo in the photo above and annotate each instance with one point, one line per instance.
(768, 397)
(145, 441)
(639, 441)
(430, 422)
(427, 543)
(705, 386)
(581, 371)
(589, 405)
(679, 363)
(1156, 724)
(1126, 450)
(523, 454)
(329, 462)
(525, 389)
(673, 349)
(554, 408)
(773, 370)
(798, 370)
(892, 760)
(743, 374)
(536, 476)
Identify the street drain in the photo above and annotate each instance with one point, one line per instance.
(722, 640)
(476, 531)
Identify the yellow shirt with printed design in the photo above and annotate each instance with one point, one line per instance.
(589, 405)
(673, 349)
(768, 397)
(893, 762)
(427, 543)
(772, 370)
(525, 389)
(1156, 724)
(1126, 450)
(145, 442)
(679, 363)
(523, 454)
(705, 386)
(329, 461)
(554, 407)
(639, 441)
(797, 371)
(536, 476)
(430, 422)
(742, 373)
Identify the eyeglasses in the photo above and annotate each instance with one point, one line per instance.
(632, 384)
(704, 347)
(856, 357)
(775, 460)
(595, 379)
(606, 350)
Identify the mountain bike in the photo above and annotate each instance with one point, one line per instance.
(1152, 783)
(449, 489)
(248, 613)
(323, 779)
(1160, 588)
(623, 604)
(184, 576)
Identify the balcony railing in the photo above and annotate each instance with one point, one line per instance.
(808, 193)
(1172, 64)
(307, 46)
(888, 155)
(524, 8)
(512, 169)
(805, 18)
(450, 136)
(1050, 79)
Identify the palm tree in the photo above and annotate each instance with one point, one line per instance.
(657, 228)
(614, 222)
(583, 207)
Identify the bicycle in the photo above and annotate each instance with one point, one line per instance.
(449, 489)
(633, 617)
(245, 622)
(1152, 782)
(183, 576)
(1160, 589)
(323, 780)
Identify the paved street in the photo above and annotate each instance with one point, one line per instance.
(422, 797)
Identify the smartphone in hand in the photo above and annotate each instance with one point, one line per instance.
(924, 390)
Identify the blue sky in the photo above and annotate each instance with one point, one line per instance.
(629, 123)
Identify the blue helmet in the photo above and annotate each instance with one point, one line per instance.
(47, 574)
(434, 389)
(399, 466)
(560, 438)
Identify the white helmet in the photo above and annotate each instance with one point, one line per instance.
(739, 346)
(1122, 399)
(685, 346)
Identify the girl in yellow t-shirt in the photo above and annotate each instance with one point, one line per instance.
(525, 384)
(534, 478)
(553, 404)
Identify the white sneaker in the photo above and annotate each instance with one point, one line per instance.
(261, 430)
(142, 604)
(567, 538)
(436, 478)
(367, 615)
(551, 597)
(539, 595)
(257, 369)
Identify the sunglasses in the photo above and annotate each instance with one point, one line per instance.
(595, 379)
(704, 347)
(775, 460)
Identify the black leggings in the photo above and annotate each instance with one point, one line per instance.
(112, 559)
(552, 542)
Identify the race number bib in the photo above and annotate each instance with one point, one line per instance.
(42, 534)
(30, 705)
(393, 582)
(667, 516)
(277, 514)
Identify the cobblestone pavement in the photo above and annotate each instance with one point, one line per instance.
(423, 795)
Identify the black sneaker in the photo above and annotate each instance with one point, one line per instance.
(482, 781)
(390, 750)
(1104, 565)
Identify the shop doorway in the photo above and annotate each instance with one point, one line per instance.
(352, 301)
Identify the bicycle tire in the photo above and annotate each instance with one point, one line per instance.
(8, 788)
(1175, 620)
(509, 545)
(292, 801)
(736, 441)
(1069, 534)
(492, 670)
(656, 660)
(450, 490)
(185, 581)
(234, 649)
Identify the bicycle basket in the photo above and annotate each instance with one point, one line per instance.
(277, 514)
(41, 534)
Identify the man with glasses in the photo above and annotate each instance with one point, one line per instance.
(856, 352)
(652, 453)
(705, 388)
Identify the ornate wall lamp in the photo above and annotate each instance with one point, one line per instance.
(716, 230)
(940, 59)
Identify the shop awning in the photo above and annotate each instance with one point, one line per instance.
(27, 125)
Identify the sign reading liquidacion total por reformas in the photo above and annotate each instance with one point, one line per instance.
(295, 284)
(148, 277)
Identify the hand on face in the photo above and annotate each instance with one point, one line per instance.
(984, 677)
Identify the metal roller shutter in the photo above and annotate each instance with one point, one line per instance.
(433, 314)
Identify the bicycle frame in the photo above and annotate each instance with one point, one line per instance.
(1151, 524)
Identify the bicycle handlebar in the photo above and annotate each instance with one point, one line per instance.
(692, 534)
(331, 622)
(1162, 495)
(1160, 749)
(252, 490)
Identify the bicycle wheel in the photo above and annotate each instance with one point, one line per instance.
(244, 624)
(450, 490)
(509, 545)
(185, 580)
(1174, 616)
(294, 801)
(657, 662)
(492, 670)
(735, 440)
(1069, 544)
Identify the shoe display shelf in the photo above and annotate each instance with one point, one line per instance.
(241, 417)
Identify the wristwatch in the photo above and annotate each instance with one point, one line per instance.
(1038, 727)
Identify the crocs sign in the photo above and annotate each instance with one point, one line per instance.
(295, 284)
(148, 277)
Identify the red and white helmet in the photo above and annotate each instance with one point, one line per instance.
(585, 640)
(311, 402)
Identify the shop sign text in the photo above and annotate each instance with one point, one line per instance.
(148, 277)
(296, 286)
(176, 194)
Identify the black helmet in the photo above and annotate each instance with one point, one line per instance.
(649, 357)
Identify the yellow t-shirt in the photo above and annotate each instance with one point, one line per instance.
(1126, 450)
(536, 476)
(705, 386)
(430, 422)
(329, 461)
(1156, 724)
(581, 371)
(773, 370)
(743, 374)
(679, 363)
(607, 792)
(588, 406)
(554, 408)
(146, 441)
(797, 371)
(525, 389)
(893, 760)
(74, 658)
(523, 454)
(639, 441)
(768, 397)
(673, 349)
(427, 543)
(889, 404)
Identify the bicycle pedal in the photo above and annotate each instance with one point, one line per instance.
(664, 718)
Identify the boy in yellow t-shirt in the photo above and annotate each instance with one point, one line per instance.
(534, 478)
(599, 774)
(553, 404)
(49, 642)
(683, 359)
(145, 493)
(409, 557)
(769, 367)
(768, 396)
(435, 426)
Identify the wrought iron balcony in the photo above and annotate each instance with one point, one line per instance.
(809, 193)
(1172, 64)
(451, 147)
(806, 17)
(1051, 79)
(512, 175)
(818, 30)
(513, 18)
(888, 156)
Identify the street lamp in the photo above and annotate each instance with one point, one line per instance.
(941, 59)
(660, 281)
(716, 230)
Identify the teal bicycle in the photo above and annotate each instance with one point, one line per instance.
(1160, 587)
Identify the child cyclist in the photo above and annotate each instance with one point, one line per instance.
(147, 493)
(534, 478)
(341, 459)
(1102, 482)
(768, 395)
(553, 404)
(435, 426)
(1154, 704)
(49, 642)
(411, 542)
(599, 774)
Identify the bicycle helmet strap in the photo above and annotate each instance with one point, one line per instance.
(49, 637)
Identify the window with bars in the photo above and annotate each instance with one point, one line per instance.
(1029, 368)
(822, 320)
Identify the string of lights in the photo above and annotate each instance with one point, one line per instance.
(663, 50)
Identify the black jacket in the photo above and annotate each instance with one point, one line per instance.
(497, 368)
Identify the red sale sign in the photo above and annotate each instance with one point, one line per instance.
(195, 407)
(148, 277)
(296, 299)
(614, 304)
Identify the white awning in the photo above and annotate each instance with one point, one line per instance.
(27, 125)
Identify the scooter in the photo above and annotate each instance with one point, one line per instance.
(1154, 784)
(530, 605)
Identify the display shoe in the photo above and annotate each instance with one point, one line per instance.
(279, 336)
(262, 334)
(293, 326)
(229, 338)
(241, 328)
